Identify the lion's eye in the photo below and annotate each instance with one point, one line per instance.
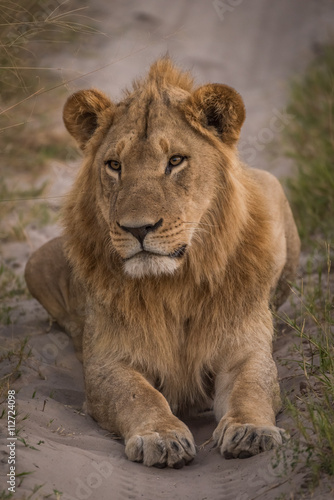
(174, 161)
(113, 165)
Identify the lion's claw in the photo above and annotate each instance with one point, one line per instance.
(245, 440)
(161, 449)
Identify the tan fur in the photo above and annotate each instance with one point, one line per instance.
(165, 332)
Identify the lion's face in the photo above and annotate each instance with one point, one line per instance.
(154, 169)
(154, 189)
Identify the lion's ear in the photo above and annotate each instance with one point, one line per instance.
(221, 107)
(81, 114)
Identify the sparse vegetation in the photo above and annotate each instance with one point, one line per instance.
(36, 488)
(20, 207)
(311, 143)
(12, 286)
(12, 358)
(57, 493)
(313, 409)
(4, 495)
(28, 31)
(27, 445)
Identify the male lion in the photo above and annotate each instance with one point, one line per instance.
(171, 253)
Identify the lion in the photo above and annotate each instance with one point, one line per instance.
(173, 254)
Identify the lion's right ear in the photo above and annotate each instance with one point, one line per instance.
(81, 114)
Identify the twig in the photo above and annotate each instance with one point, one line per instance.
(269, 489)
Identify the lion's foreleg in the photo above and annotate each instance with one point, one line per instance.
(50, 280)
(124, 402)
(246, 402)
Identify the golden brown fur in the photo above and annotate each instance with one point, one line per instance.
(185, 324)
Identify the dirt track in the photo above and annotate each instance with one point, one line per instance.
(254, 46)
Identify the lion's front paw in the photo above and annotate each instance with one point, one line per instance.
(237, 440)
(160, 449)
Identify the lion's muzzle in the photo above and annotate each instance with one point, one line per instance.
(148, 247)
(140, 232)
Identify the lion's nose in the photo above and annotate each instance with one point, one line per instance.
(140, 232)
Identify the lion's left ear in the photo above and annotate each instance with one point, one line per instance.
(219, 106)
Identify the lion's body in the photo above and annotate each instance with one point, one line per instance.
(169, 271)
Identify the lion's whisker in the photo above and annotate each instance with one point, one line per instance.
(200, 224)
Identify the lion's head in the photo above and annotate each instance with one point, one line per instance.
(157, 165)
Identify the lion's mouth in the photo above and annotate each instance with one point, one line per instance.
(177, 254)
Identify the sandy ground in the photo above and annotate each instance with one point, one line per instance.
(255, 46)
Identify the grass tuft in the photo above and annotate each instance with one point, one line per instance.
(4, 495)
(12, 359)
(313, 410)
(20, 208)
(29, 28)
(310, 142)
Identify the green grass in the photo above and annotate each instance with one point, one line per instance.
(310, 142)
(30, 30)
(57, 493)
(11, 286)
(5, 495)
(27, 445)
(20, 207)
(39, 143)
(27, 30)
(14, 355)
(312, 411)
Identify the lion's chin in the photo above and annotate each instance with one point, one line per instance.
(146, 264)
